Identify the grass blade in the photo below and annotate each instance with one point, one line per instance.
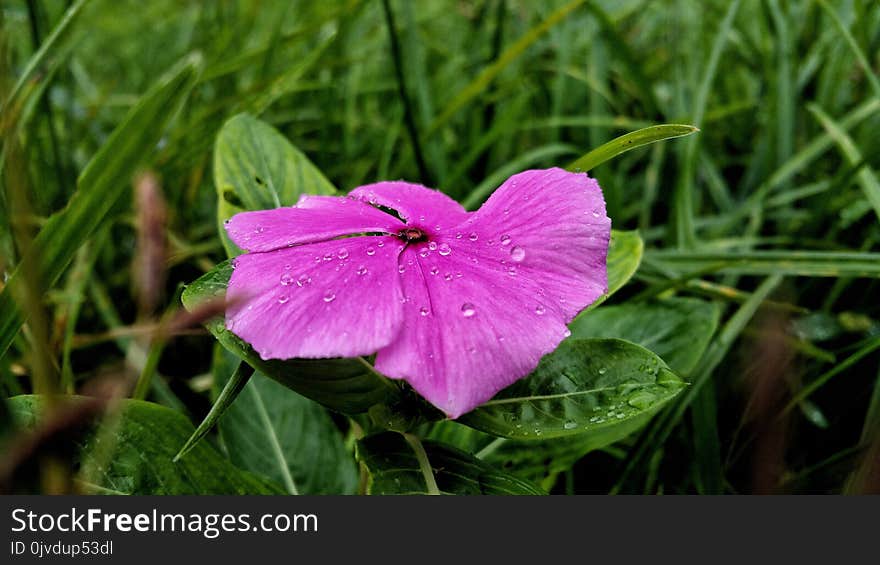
(628, 142)
(484, 79)
(100, 188)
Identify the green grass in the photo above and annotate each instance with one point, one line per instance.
(771, 209)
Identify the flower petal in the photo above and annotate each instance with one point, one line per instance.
(495, 294)
(551, 226)
(415, 203)
(314, 218)
(337, 298)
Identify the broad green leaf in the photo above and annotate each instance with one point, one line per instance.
(678, 330)
(100, 186)
(541, 462)
(272, 431)
(394, 468)
(624, 256)
(583, 386)
(141, 449)
(257, 168)
(628, 142)
(350, 386)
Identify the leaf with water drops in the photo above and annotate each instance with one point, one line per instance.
(585, 386)
(393, 468)
(349, 386)
(676, 329)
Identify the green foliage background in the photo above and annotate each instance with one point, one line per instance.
(769, 215)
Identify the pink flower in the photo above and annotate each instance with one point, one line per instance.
(459, 304)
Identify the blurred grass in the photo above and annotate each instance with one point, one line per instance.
(780, 181)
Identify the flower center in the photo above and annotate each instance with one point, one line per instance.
(412, 235)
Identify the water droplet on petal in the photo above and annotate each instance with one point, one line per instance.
(424, 252)
(361, 270)
(303, 280)
(595, 214)
(444, 249)
(424, 311)
(435, 270)
(473, 236)
(511, 270)
(517, 253)
(566, 333)
(539, 309)
(447, 276)
(282, 299)
(380, 244)
(432, 245)
(286, 279)
(329, 296)
(505, 240)
(343, 253)
(371, 251)
(457, 235)
(401, 269)
(468, 310)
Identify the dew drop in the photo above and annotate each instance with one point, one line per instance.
(569, 425)
(517, 253)
(401, 269)
(328, 256)
(621, 415)
(603, 370)
(473, 236)
(444, 249)
(380, 244)
(539, 309)
(343, 253)
(511, 270)
(566, 333)
(371, 251)
(447, 277)
(435, 270)
(303, 280)
(361, 270)
(457, 236)
(424, 252)
(468, 310)
(505, 240)
(424, 311)
(286, 279)
(432, 245)
(283, 299)
(329, 296)
(595, 214)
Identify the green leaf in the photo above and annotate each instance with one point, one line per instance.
(233, 386)
(772, 262)
(583, 386)
(628, 142)
(350, 386)
(277, 433)
(142, 446)
(257, 168)
(101, 185)
(678, 330)
(624, 257)
(394, 468)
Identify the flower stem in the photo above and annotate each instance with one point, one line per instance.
(424, 464)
